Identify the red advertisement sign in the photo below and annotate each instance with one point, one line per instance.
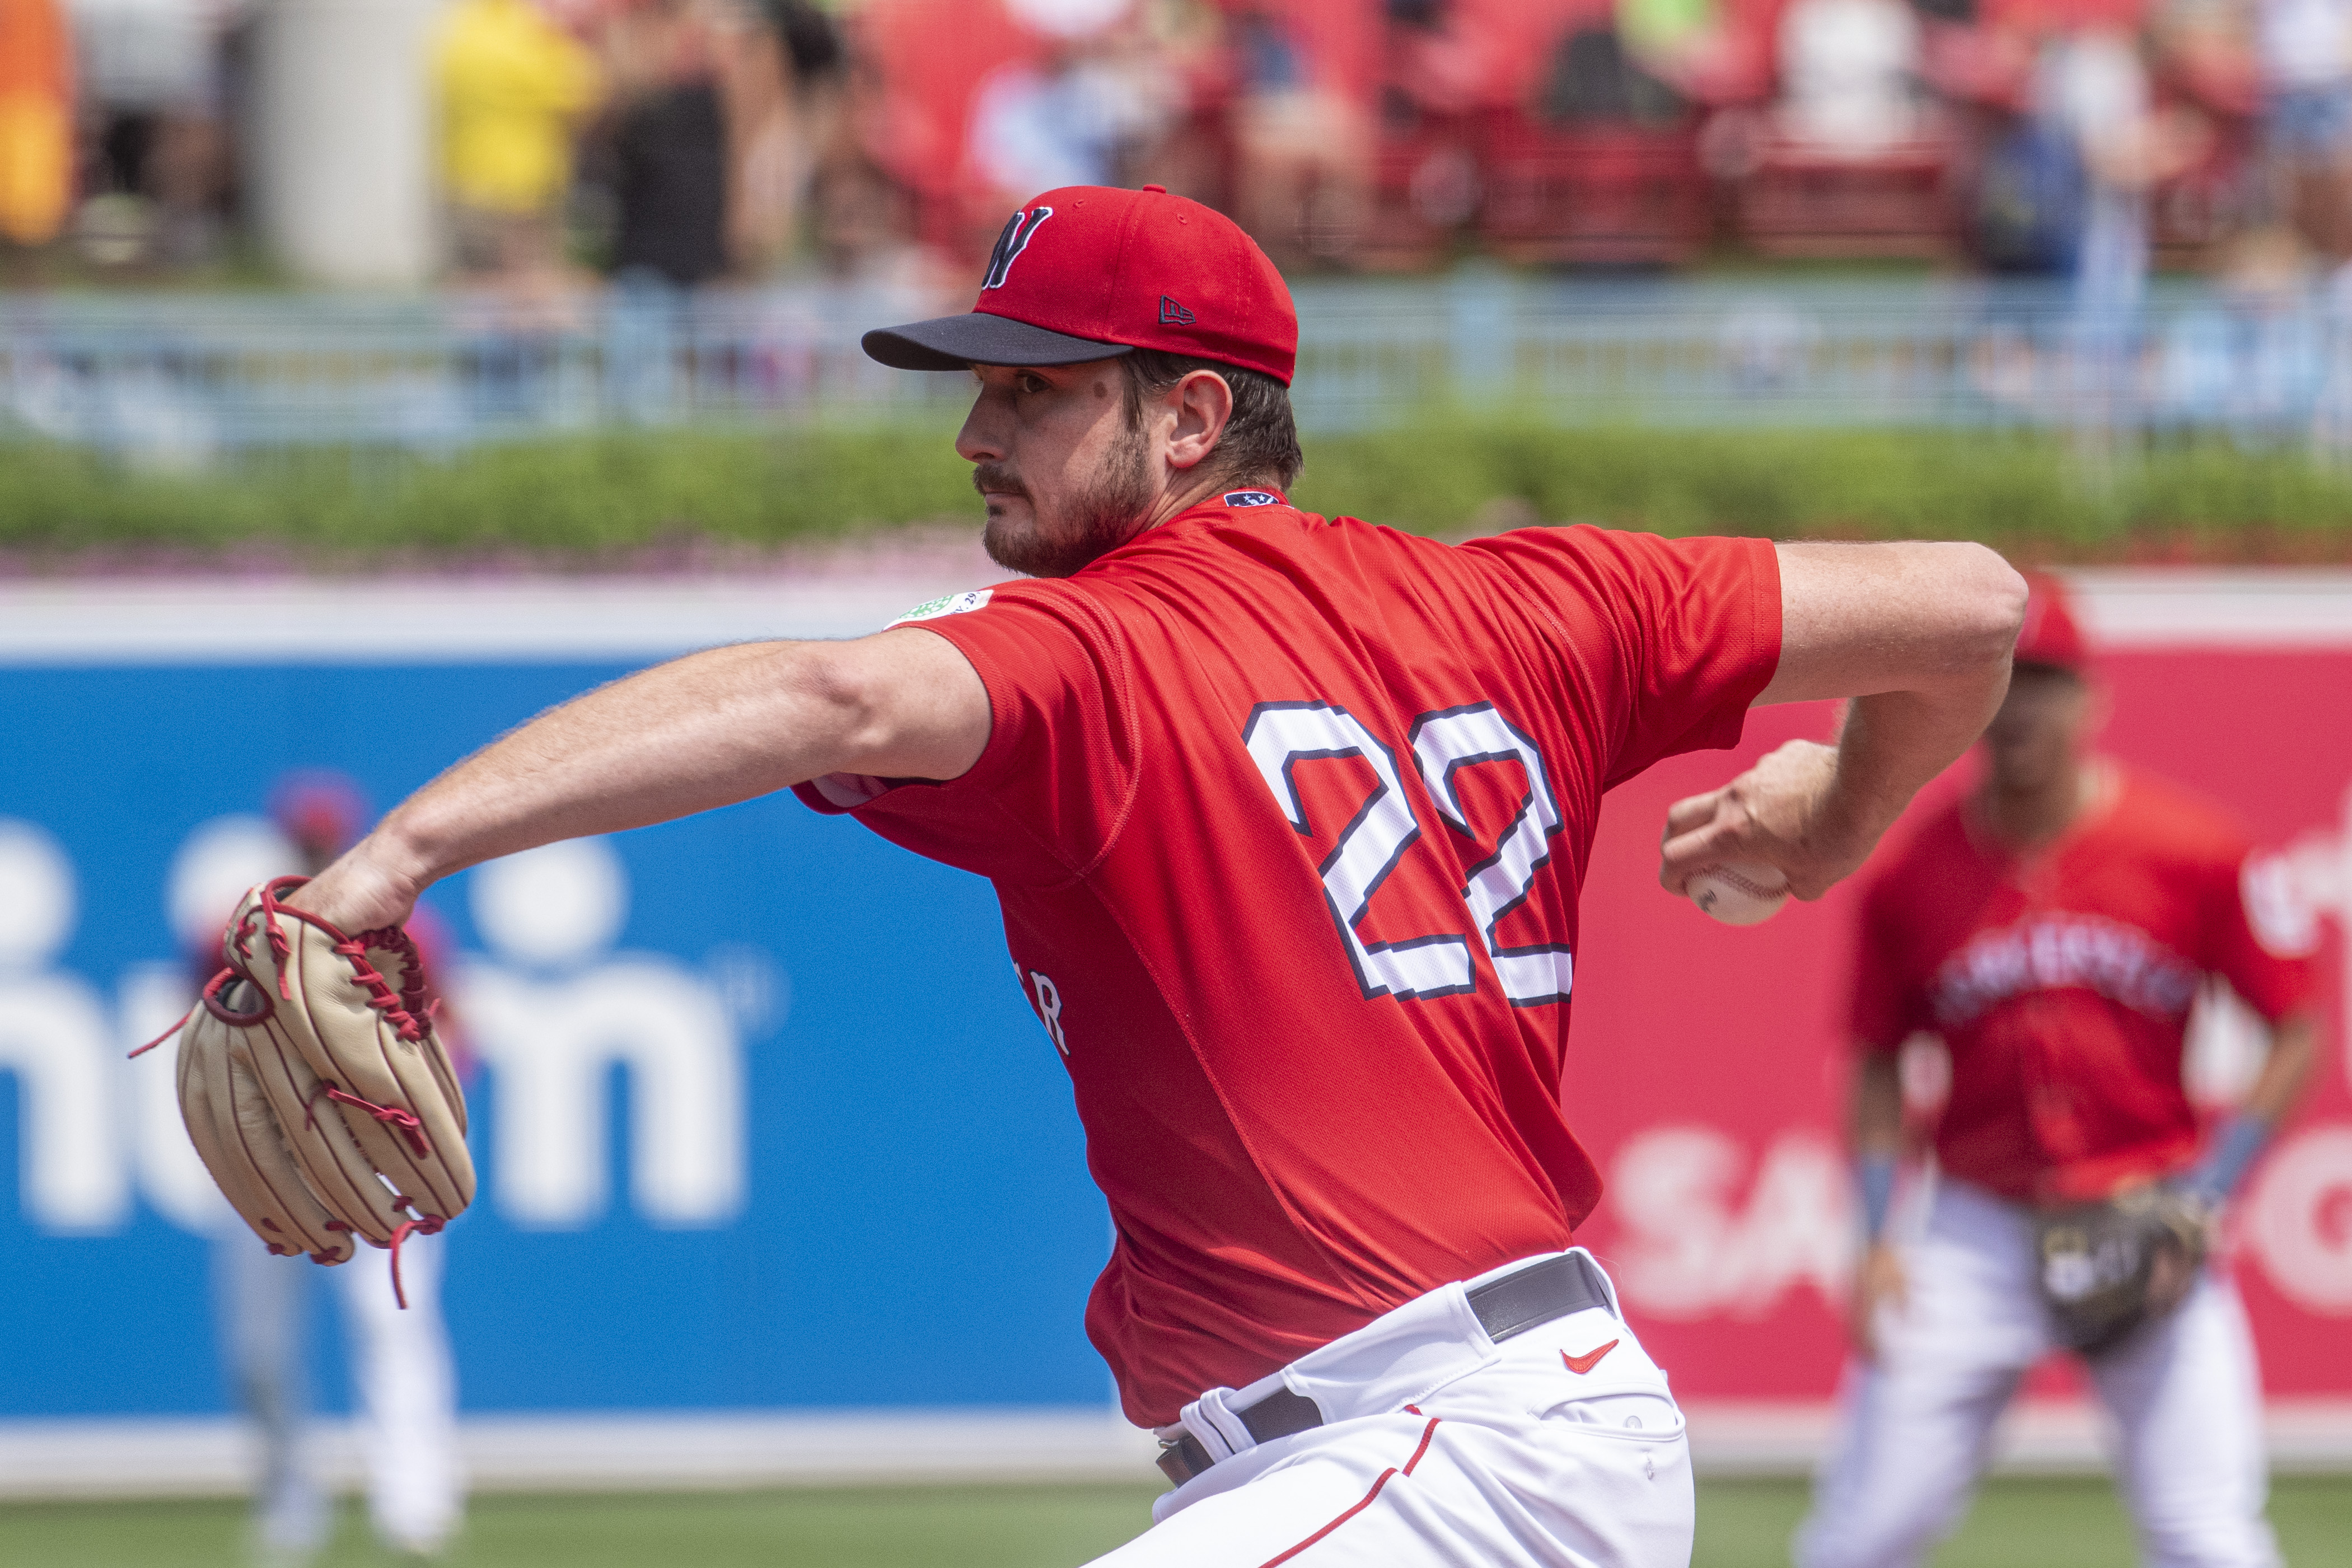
(1709, 1070)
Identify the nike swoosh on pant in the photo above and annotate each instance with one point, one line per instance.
(1589, 1360)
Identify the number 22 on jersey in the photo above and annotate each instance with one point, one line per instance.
(1281, 734)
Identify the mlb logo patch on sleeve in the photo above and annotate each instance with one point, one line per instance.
(953, 604)
(1251, 499)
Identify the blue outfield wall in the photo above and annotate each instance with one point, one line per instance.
(900, 1213)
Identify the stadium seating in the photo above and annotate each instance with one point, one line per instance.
(1426, 185)
(1594, 193)
(1799, 199)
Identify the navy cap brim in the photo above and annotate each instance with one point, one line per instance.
(976, 337)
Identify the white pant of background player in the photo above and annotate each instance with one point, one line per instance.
(2184, 1394)
(1441, 1447)
(404, 1386)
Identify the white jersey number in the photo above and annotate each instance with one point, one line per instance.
(1280, 735)
(1444, 744)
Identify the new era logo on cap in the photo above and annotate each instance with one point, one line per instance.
(1172, 314)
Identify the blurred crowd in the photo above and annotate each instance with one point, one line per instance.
(693, 141)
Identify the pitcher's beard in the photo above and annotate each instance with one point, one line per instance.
(1101, 518)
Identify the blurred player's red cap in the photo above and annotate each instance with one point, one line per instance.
(1089, 272)
(2049, 636)
(317, 807)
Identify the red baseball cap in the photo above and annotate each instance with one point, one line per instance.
(2050, 636)
(1089, 272)
(318, 806)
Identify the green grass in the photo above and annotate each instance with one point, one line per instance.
(600, 499)
(2063, 1523)
(971, 1526)
(2053, 1522)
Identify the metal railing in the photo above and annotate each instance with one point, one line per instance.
(1830, 354)
(187, 377)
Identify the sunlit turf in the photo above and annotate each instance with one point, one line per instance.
(2065, 1524)
(2058, 1521)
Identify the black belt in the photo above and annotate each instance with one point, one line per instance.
(1510, 1305)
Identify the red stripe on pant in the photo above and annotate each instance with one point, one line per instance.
(1363, 1502)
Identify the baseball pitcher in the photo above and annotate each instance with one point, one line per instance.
(2054, 929)
(1287, 816)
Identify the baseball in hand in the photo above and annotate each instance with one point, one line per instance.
(1738, 892)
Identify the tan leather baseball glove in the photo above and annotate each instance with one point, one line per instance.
(2105, 1269)
(315, 1089)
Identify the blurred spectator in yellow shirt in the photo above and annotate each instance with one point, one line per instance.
(35, 116)
(512, 87)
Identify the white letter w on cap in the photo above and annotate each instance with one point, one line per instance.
(1019, 230)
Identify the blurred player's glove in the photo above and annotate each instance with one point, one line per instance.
(316, 1090)
(2106, 1268)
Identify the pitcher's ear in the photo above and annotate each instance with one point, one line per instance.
(1203, 405)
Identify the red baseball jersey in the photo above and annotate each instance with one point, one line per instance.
(1287, 818)
(2060, 982)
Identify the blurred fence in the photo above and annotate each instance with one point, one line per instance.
(184, 378)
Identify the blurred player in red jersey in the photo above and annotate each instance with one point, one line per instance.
(402, 1372)
(2054, 929)
(1287, 817)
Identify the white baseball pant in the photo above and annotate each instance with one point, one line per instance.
(407, 1387)
(1916, 1427)
(1441, 1447)
(262, 1303)
(401, 1372)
